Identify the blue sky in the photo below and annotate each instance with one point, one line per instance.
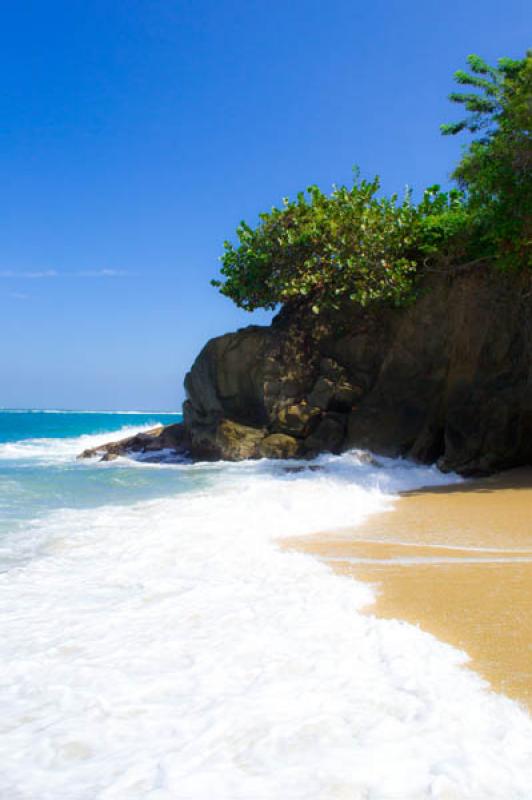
(135, 135)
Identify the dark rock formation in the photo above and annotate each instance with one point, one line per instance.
(446, 379)
(279, 445)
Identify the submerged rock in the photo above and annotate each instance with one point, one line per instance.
(161, 439)
(109, 457)
(303, 468)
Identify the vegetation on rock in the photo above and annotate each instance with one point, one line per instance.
(354, 244)
(495, 171)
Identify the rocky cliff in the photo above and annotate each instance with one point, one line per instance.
(447, 379)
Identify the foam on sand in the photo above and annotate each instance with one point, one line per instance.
(169, 650)
(456, 560)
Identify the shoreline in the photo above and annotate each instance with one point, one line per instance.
(456, 560)
(157, 639)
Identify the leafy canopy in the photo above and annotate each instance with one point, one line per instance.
(348, 244)
(487, 106)
(354, 245)
(495, 170)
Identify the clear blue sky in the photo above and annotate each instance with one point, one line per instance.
(135, 135)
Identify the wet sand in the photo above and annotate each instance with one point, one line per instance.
(457, 561)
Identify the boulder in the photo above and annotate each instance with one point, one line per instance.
(322, 393)
(279, 445)
(329, 436)
(298, 419)
(228, 440)
(227, 380)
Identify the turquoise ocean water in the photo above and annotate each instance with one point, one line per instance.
(21, 425)
(39, 471)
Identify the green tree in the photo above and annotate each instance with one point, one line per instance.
(348, 245)
(495, 170)
(355, 245)
(487, 106)
(324, 248)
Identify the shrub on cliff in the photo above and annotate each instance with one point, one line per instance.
(353, 244)
(348, 244)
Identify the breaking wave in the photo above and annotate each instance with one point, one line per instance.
(170, 650)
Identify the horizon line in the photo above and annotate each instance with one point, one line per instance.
(87, 411)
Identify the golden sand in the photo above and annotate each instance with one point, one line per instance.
(456, 560)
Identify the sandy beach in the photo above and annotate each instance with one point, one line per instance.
(457, 561)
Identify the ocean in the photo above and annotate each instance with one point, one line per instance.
(158, 644)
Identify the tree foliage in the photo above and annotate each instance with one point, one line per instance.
(348, 244)
(356, 245)
(495, 170)
(487, 106)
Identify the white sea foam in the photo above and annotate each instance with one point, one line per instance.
(56, 451)
(168, 650)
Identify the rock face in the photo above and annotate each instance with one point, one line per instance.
(447, 379)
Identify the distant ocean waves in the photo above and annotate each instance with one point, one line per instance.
(17, 424)
(66, 411)
(157, 645)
